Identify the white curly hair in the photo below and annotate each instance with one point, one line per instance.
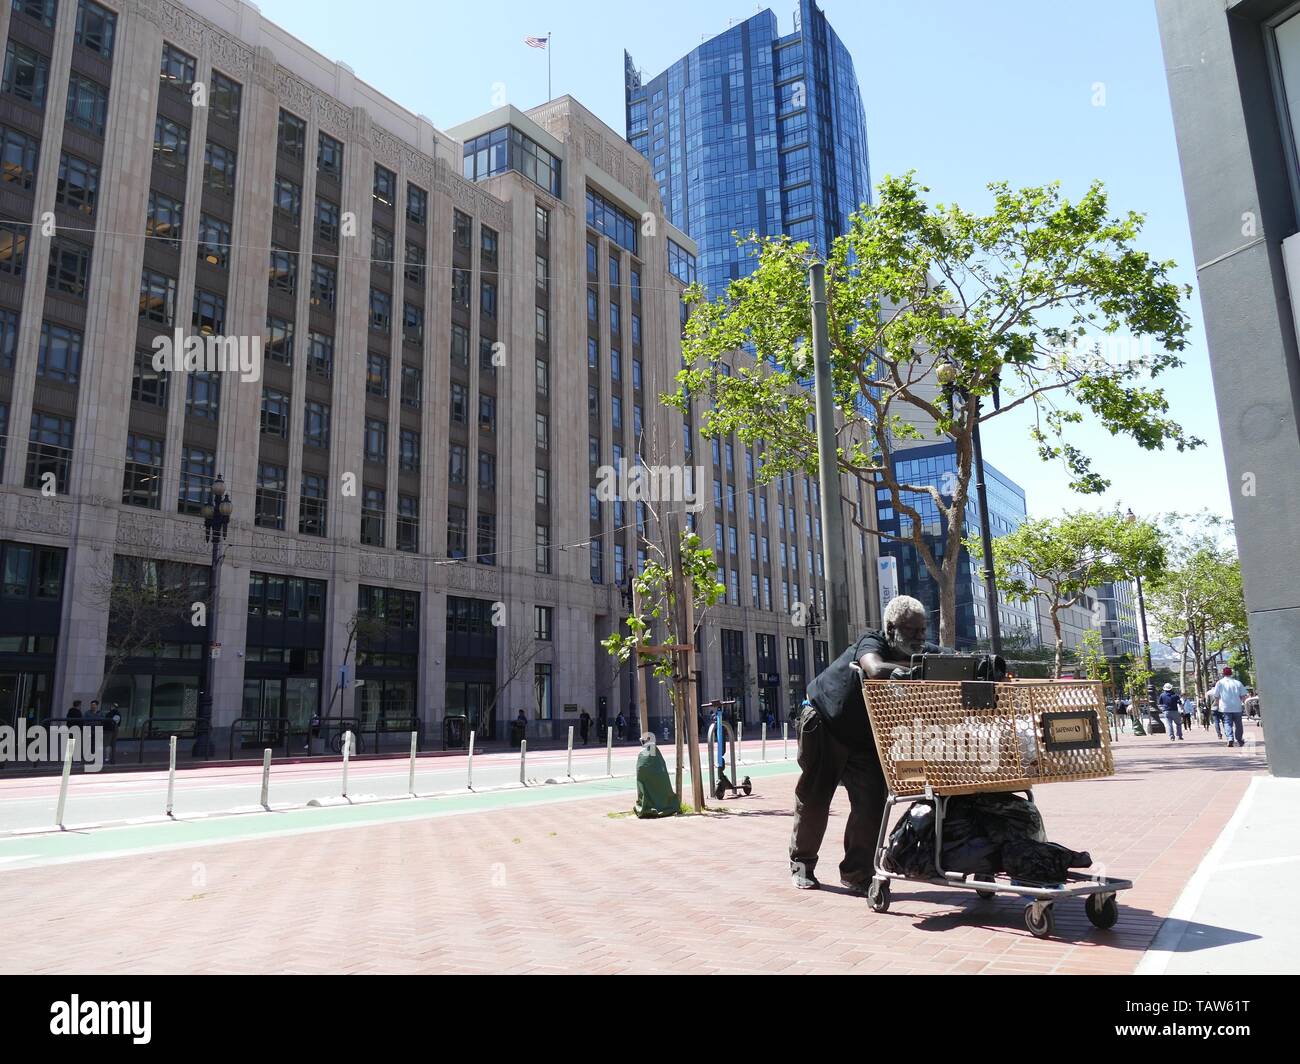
(900, 607)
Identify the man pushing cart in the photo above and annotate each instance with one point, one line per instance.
(892, 733)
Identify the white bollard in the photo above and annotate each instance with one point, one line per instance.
(171, 775)
(763, 748)
(740, 741)
(785, 742)
(523, 757)
(411, 782)
(469, 765)
(569, 770)
(609, 750)
(266, 779)
(347, 749)
(63, 784)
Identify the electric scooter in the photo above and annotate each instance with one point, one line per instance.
(720, 732)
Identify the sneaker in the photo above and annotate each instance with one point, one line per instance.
(804, 882)
(858, 889)
(1231, 744)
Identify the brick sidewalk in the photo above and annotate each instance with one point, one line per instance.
(568, 888)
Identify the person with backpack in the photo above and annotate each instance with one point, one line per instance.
(836, 747)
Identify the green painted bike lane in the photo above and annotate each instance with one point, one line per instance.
(75, 845)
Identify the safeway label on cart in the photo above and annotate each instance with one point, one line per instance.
(1071, 730)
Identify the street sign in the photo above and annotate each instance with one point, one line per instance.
(343, 677)
(887, 579)
(216, 650)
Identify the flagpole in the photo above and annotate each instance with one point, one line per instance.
(548, 66)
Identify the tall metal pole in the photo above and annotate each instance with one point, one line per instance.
(1146, 645)
(203, 730)
(837, 577)
(986, 534)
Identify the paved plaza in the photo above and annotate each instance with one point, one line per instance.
(524, 882)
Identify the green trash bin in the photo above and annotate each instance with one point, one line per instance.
(655, 796)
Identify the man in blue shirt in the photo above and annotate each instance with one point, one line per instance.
(1171, 706)
(1230, 693)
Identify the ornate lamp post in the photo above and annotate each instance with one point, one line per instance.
(216, 522)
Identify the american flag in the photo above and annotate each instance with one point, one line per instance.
(536, 42)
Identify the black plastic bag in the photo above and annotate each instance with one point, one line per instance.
(1004, 816)
(966, 846)
(910, 850)
(1040, 862)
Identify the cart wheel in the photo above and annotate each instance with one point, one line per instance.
(1102, 910)
(720, 791)
(1039, 921)
(746, 786)
(878, 895)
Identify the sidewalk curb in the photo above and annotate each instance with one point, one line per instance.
(1175, 925)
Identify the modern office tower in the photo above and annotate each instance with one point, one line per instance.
(754, 131)
(439, 317)
(931, 464)
(1234, 81)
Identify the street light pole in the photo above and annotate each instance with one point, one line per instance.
(1131, 517)
(216, 522)
(986, 534)
(828, 474)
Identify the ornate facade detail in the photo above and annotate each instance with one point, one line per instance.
(293, 92)
(271, 550)
(373, 565)
(410, 570)
(468, 578)
(316, 560)
(51, 516)
(188, 536)
(136, 530)
(387, 148)
(149, 10)
(182, 26)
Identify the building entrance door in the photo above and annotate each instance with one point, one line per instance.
(24, 694)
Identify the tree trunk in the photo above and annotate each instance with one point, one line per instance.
(1060, 643)
(947, 606)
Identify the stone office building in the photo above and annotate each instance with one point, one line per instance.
(411, 453)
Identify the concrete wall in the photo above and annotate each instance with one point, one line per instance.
(1241, 208)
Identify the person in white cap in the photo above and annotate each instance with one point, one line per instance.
(1171, 707)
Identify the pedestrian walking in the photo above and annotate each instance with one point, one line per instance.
(1230, 693)
(620, 723)
(1189, 708)
(584, 726)
(1171, 706)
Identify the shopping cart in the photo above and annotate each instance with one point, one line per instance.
(1021, 733)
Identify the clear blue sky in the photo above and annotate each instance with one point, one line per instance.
(963, 93)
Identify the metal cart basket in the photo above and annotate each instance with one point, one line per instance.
(938, 739)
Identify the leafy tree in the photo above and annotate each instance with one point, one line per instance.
(671, 571)
(1199, 597)
(1058, 558)
(948, 319)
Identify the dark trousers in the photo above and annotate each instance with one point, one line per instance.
(826, 763)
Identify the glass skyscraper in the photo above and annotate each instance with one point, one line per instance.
(931, 465)
(754, 132)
